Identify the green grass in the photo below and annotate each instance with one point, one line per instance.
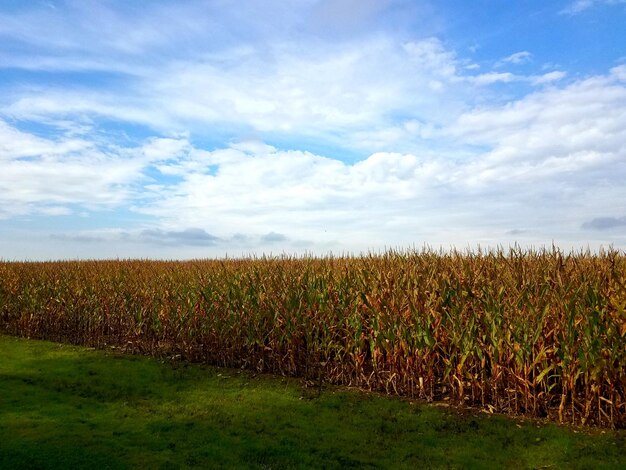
(70, 407)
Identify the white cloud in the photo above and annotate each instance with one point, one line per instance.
(328, 91)
(52, 105)
(492, 77)
(548, 77)
(15, 144)
(559, 154)
(517, 58)
(157, 149)
(579, 6)
(551, 160)
(347, 94)
(44, 176)
(360, 95)
(100, 30)
(54, 211)
(554, 159)
(577, 115)
(300, 194)
(619, 73)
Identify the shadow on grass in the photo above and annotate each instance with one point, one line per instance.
(66, 407)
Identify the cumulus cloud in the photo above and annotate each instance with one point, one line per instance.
(47, 175)
(549, 160)
(308, 196)
(583, 116)
(558, 150)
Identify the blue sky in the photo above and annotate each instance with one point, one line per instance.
(204, 128)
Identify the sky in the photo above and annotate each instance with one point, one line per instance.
(192, 129)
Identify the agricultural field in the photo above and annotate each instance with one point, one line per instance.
(533, 333)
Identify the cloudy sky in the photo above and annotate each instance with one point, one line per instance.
(185, 129)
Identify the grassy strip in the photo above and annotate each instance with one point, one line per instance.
(70, 407)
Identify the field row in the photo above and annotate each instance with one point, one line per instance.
(536, 333)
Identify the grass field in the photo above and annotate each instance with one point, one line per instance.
(71, 407)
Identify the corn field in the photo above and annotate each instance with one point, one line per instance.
(538, 333)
